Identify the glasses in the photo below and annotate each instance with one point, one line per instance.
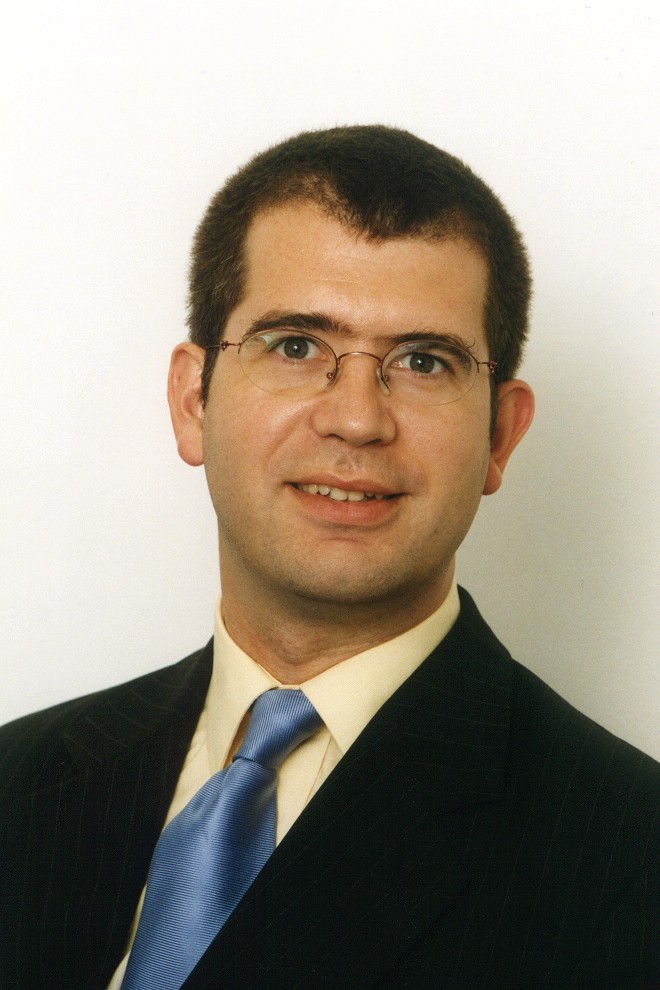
(430, 370)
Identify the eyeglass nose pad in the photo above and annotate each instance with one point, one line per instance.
(383, 379)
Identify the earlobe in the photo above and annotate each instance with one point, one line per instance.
(184, 397)
(515, 411)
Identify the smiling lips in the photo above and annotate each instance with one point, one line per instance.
(341, 494)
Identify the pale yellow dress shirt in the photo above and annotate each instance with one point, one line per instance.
(346, 696)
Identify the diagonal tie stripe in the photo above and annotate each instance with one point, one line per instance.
(210, 854)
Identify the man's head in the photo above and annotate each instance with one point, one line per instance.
(342, 502)
(381, 183)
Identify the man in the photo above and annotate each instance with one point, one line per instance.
(358, 309)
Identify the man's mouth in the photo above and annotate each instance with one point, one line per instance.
(341, 494)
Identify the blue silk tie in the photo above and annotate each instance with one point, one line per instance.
(208, 855)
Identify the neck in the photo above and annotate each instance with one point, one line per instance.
(296, 639)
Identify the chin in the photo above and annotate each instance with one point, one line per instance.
(341, 588)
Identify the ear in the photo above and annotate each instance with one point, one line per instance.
(184, 385)
(515, 411)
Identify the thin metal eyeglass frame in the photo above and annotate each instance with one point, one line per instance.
(332, 375)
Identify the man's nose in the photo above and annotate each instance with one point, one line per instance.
(356, 405)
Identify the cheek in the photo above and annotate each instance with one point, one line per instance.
(453, 448)
(246, 430)
(456, 487)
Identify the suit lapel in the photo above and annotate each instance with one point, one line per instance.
(369, 866)
(117, 765)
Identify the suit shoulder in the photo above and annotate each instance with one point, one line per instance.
(34, 746)
(563, 750)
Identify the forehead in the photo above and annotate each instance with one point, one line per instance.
(299, 259)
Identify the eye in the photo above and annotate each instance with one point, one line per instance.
(421, 362)
(293, 348)
(428, 359)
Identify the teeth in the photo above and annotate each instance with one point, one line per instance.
(339, 494)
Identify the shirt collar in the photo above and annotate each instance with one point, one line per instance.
(346, 696)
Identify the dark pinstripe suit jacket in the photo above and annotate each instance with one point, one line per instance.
(479, 834)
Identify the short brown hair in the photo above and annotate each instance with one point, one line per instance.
(381, 182)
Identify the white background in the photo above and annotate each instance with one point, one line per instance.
(120, 119)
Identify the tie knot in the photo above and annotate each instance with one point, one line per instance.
(281, 720)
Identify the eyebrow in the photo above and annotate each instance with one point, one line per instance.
(324, 323)
(278, 320)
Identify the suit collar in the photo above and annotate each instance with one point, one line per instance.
(133, 715)
(453, 715)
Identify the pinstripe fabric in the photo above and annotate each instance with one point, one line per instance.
(84, 789)
(479, 834)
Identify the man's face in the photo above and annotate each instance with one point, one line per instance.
(262, 451)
